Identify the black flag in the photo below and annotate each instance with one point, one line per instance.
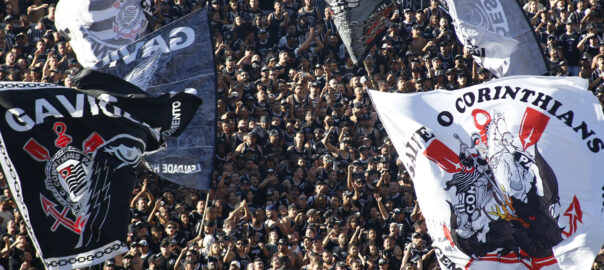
(176, 57)
(69, 158)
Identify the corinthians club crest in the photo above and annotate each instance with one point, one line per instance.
(79, 179)
(130, 20)
(505, 197)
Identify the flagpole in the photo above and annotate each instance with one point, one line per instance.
(203, 217)
(369, 74)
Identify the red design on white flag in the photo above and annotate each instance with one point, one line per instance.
(510, 172)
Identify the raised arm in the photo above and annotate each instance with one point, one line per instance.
(378, 199)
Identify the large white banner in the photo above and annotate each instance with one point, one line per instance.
(508, 172)
(499, 36)
(98, 27)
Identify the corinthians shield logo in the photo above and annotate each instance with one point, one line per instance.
(129, 21)
(78, 179)
(66, 174)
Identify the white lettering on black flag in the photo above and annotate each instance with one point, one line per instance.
(507, 173)
(69, 161)
(498, 35)
(360, 23)
(177, 57)
(97, 27)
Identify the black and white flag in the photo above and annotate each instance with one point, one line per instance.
(499, 36)
(177, 57)
(360, 23)
(98, 27)
(69, 156)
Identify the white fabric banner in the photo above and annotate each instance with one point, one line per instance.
(97, 27)
(507, 173)
(493, 30)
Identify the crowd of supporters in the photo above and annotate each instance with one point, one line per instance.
(306, 176)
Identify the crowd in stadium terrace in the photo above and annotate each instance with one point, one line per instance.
(305, 175)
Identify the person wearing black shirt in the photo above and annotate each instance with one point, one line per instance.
(553, 61)
(264, 44)
(569, 41)
(165, 259)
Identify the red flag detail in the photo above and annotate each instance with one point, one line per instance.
(442, 155)
(61, 218)
(574, 214)
(36, 151)
(92, 143)
(62, 139)
(532, 126)
(448, 235)
(482, 119)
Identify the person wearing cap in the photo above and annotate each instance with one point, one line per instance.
(249, 148)
(450, 78)
(264, 45)
(440, 80)
(589, 45)
(109, 265)
(133, 247)
(320, 75)
(262, 130)
(144, 252)
(264, 79)
(415, 251)
(272, 218)
(445, 54)
(128, 262)
(462, 81)
(343, 155)
(274, 144)
(188, 259)
(408, 20)
(483, 75)
(234, 265)
(383, 264)
(313, 217)
(419, 85)
(460, 63)
(165, 258)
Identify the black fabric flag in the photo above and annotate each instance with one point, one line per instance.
(177, 57)
(360, 23)
(69, 161)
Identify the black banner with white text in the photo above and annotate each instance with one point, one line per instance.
(69, 160)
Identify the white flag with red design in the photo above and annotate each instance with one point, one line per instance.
(507, 173)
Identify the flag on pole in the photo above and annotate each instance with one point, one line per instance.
(507, 173)
(69, 161)
(177, 57)
(360, 23)
(498, 35)
(97, 27)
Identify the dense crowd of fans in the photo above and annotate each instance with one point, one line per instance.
(305, 175)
